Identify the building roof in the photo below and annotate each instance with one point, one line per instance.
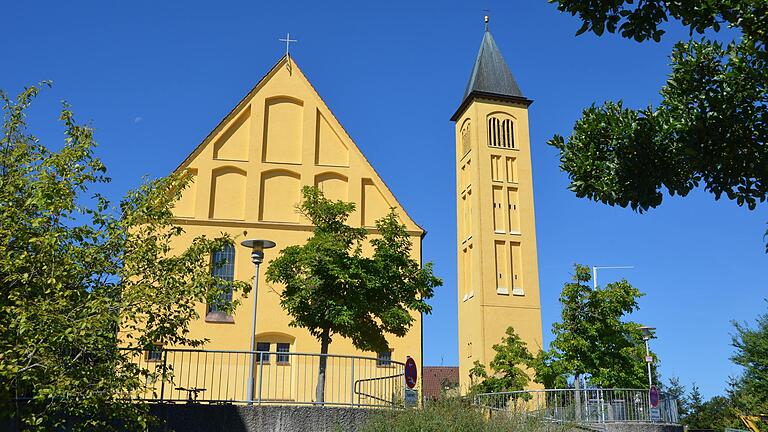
(436, 378)
(491, 77)
(491, 73)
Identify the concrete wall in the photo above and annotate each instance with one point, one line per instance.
(265, 418)
(642, 427)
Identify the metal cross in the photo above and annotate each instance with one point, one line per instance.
(288, 41)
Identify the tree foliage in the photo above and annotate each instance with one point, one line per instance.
(593, 341)
(749, 391)
(509, 367)
(711, 127)
(717, 413)
(80, 278)
(675, 390)
(332, 288)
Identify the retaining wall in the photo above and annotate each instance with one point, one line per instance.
(264, 418)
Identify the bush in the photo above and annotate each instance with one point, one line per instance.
(456, 415)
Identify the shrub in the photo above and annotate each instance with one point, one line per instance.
(456, 415)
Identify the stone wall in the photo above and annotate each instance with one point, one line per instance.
(264, 418)
(642, 427)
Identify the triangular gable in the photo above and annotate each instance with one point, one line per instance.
(279, 137)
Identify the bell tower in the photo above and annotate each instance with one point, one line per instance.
(498, 283)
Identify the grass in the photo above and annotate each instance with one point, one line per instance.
(455, 415)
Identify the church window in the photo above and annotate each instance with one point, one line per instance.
(283, 348)
(500, 132)
(223, 267)
(384, 359)
(155, 354)
(263, 352)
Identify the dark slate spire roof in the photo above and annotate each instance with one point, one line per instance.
(491, 77)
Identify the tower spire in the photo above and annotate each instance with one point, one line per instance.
(490, 75)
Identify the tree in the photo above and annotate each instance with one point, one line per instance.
(749, 391)
(593, 342)
(332, 289)
(550, 372)
(80, 279)
(675, 390)
(508, 367)
(692, 418)
(717, 413)
(711, 127)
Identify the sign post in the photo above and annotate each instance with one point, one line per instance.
(411, 379)
(653, 398)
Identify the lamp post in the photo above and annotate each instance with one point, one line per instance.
(647, 335)
(596, 268)
(257, 257)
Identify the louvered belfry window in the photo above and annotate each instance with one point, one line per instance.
(500, 133)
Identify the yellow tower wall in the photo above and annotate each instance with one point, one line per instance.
(498, 283)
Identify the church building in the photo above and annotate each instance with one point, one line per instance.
(498, 277)
(247, 179)
(248, 175)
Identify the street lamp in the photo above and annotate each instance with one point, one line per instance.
(596, 268)
(647, 335)
(257, 257)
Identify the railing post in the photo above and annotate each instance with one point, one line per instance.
(352, 383)
(162, 382)
(261, 374)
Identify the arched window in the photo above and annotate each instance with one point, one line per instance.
(465, 138)
(223, 267)
(500, 132)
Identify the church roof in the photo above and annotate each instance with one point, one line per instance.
(490, 77)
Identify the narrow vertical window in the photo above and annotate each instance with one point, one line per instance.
(223, 267)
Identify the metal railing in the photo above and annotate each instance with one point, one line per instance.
(286, 378)
(582, 406)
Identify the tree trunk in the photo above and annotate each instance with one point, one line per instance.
(325, 340)
(577, 397)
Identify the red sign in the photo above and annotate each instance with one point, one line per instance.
(410, 373)
(653, 396)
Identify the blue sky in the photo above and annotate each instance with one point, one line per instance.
(154, 78)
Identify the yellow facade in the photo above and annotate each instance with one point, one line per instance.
(248, 175)
(498, 281)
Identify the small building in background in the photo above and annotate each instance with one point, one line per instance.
(440, 381)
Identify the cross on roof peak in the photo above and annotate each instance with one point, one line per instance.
(288, 41)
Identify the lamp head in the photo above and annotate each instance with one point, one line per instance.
(647, 332)
(257, 247)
